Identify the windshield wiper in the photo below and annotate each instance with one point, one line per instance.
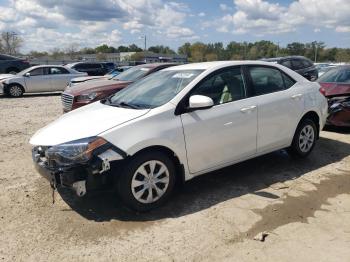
(123, 104)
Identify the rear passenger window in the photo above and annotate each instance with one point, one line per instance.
(266, 80)
(223, 87)
(288, 82)
(298, 64)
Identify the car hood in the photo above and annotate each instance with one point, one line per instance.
(88, 121)
(334, 89)
(87, 78)
(96, 85)
(6, 76)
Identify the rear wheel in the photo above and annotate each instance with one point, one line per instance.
(15, 90)
(147, 181)
(304, 139)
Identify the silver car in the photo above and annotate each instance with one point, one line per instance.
(37, 79)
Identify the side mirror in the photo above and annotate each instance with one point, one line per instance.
(27, 74)
(200, 102)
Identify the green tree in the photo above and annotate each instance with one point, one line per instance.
(185, 49)
(160, 49)
(198, 52)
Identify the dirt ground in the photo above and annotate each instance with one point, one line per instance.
(303, 205)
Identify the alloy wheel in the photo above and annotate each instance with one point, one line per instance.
(15, 91)
(306, 138)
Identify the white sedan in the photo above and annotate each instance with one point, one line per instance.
(37, 79)
(179, 123)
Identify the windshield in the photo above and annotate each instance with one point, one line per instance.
(132, 74)
(330, 76)
(154, 90)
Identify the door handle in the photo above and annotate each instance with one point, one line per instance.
(247, 109)
(297, 96)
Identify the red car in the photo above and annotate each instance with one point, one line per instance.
(88, 92)
(335, 85)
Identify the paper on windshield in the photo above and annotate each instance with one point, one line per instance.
(183, 75)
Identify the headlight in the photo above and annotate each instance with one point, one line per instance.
(87, 97)
(74, 152)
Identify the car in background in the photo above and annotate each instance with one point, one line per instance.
(37, 79)
(299, 64)
(323, 68)
(179, 123)
(91, 91)
(109, 75)
(91, 68)
(108, 65)
(12, 65)
(335, 85)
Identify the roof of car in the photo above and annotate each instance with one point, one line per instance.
(210, 65)
(284, 57)
(154, 65)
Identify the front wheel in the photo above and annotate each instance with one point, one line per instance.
(15, 90)
(147, 181)
(304, 139)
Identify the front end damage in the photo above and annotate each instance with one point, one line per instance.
(82, 165)
(339, 111)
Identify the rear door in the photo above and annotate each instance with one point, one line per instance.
(227, 131)
(39, 80)
(279, 106)
(59, 78)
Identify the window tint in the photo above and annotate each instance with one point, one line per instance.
(223, 87)
(37, 72)
(58, 71)
(93, 66)
(287, 63)
(297, 64)
(266, 80)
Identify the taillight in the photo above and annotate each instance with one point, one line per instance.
(322, 91)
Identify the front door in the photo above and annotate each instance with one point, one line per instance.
(38, 81)
(227, 131)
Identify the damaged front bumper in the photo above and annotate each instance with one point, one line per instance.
(339, 111)
(80, 177)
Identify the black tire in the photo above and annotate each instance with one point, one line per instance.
(296, 149)
(15, 90)
(125, 178)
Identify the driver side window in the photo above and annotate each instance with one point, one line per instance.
(37, 72)
(223, 87)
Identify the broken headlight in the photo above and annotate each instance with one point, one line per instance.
(74, 152)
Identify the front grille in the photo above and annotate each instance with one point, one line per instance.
(67, 101)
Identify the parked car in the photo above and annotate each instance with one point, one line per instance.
(323, 68)
(109, 75)
(85, 93)
(36, 79)
(336, 87)
(12, 65)
(179, 123)
(108, 65)
(299, 64)
(91, 68)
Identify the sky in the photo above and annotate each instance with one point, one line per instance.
(48, 24)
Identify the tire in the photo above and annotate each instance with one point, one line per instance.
(304, 139)
(15, 90)
(137, 184)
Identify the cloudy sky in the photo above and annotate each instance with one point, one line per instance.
(46, 24)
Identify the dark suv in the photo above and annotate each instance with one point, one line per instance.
(12, 65)
(299, 64)
(91, 68)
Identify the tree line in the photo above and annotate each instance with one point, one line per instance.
(10, 43)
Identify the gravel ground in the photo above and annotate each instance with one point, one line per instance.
(302, 205)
